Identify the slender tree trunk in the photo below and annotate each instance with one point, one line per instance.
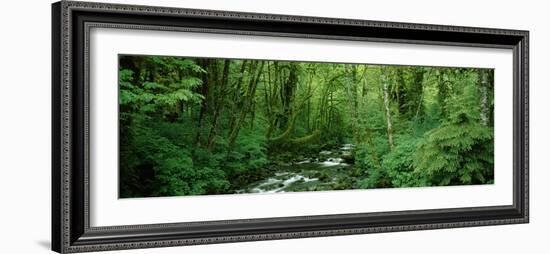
(287, 93)
(418, 107)
(365, 133)
(219, 103)
(372, 147)
(442, 92)
(330, 109)
(352, 101)
(237, 92)
(308, 112)
(322, 107)
(267, 92)
(247, 105)
(419, 87)
(252, 113)
(387, 108)
(271, 97)
(204, 103)
(239, 81)
(483, 100)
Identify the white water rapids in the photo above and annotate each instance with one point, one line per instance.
(280, 181)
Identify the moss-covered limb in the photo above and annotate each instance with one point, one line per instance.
(306, 139)
(291, 125)
(285, 135)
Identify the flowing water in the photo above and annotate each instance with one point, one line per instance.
(322, 172)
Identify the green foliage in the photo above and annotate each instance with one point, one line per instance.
(457, 150)
(158, 152)
(399, 164)
(170, 169)
(368, 161)
(460, 151)
(248, 157)
(194, 126)
(154, 95)
(456, 154)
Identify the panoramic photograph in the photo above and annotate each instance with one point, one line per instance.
(209, 126)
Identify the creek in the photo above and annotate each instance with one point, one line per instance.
(322, 172)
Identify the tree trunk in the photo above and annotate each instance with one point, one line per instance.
(308, 112)
(237, 92)
(287, 93)
(365, 133)
(387, 108)
(352, 101)
(247, 105)
(219, 103)
(418, 88)
(204, 103)
(483, 100)
(442, 92)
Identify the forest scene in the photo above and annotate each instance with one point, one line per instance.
(206, 126)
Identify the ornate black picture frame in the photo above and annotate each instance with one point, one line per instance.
(71, 230)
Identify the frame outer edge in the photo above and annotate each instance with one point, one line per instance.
(65, 121)
(56, 129)
(189, 12)
(525, 83)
